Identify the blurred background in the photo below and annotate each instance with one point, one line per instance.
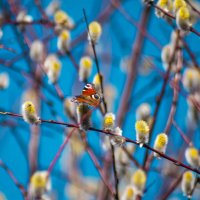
(114, 50)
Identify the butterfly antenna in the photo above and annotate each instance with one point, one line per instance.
(95, 57)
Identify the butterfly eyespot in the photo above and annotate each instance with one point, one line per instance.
(95, 96)
(88, 86)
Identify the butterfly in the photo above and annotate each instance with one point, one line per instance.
(89, 96)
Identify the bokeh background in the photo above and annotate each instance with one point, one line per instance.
(114, 46)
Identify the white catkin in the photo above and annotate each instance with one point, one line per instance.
(22, 17)
(183, 25)
(39, 192)
(63, 46)
(53, 6)
(4, 80)
(37, 51)
(187, 185)
(117, 140)
(83, 116)
(53, 76)
(28, 117)
(32, 119)
(194, 162)
(143, 112)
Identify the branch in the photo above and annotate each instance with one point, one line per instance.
(172, 17)
(173, 160)
(14, 179)
(161, 95)
(137, 49)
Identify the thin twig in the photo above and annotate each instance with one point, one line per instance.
(193, 7)
(183, 135)
(177, 79)
(135, 55)
(172, 17)
(176, 162)
(161, 95)
(96, 61)
(172, 187)
(14, 179)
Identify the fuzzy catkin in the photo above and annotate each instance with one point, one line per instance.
(83, 116)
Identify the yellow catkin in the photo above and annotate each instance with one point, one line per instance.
(97, 79)
(29, 113)
(187, 183)
(85, 68)
(191, 79)
(142, 132)
(178, 4)
(95, 30)
(188, 176)
(109, 121)
(86, 62)
(56, 66)
(161, 141)
(97, 82)
(139, 177)
(163, 3)
(38, 180)
(139, 180)
(63, 42)
(29, 107)
(192, 156)
(194, 153)
(65, 35)
(130, 192)
(141, 127)
(60, 17)
(184, 13)
(53, 72)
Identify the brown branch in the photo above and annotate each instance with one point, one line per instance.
(173, 17)
(193, 7)
(172, 187)
(136, 24)
(192, 56)
(174, 161)
(160, 96)
(183, 135)
(135, 162)
(177, 79)
(40, 22)
(38, 4)
(96, 61)
(102, 18)
(97, 165)
(115, 171)
(14, 179)
(135, 55)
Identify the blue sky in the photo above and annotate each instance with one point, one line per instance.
(116, 42)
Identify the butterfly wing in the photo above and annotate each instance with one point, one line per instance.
(89, 96)
(81, 99)
(90, 100)
(89, 89)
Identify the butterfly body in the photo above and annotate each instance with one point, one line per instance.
(89, 96)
